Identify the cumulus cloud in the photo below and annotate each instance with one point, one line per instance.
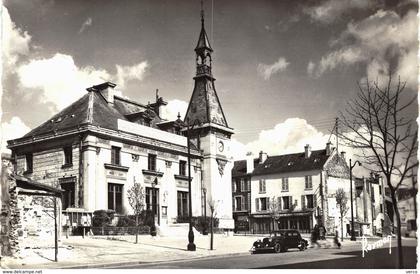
(374, 42)
(171, 110)
(289, 136)
(15, 128)
(62, 82)
(331, 10)
(15, 42)
(267, 70)
(126, 73)
(59, 79)
(85, 24)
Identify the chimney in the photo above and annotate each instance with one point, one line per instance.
(158, 104)
(307, 151)
(249, 162)
(263, 157)
(343, 155)
(328, 149)
(106, 89)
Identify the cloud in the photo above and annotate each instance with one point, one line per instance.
(289, 136)
(11, 130)
(171, 110)
(59, 79)
(267, 70)
(15, 42)
(383, 42)
(85, 24)
(61, 82)
(332, 10)
(126, 73)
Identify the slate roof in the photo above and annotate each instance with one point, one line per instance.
(101, 114)
(92, 109)
(203, 40)
(239, 167)
(292, 163)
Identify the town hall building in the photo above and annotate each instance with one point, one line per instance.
(99, 146)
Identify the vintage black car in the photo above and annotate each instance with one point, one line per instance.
(280, 241)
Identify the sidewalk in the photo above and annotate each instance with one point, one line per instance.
(100, 251)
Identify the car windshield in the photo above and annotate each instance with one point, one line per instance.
(277, 233)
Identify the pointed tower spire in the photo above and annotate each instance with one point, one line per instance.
(204, 104)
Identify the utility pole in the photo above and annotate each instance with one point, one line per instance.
(413, 180)
(55, 231)
(336, 133)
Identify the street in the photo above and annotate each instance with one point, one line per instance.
(313, 258)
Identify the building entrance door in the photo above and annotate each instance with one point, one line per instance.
(152, 202)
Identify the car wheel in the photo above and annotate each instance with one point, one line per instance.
(277, 248)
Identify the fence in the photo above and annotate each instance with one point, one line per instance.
(115, 230)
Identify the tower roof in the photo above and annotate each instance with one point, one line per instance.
(203, 41)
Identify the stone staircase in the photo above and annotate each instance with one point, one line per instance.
(175, 230)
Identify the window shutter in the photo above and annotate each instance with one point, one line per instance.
(249, 202)
(257, 204)
(242, 203)
(314, 200)
(267, 203)
(290, 201)
(303, 202)
(279, 203)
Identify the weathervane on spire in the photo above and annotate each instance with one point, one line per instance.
(202, 13)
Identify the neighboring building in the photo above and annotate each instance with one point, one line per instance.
(99, 146)
(370, 211)
(296, 190)
(241, 192)
(407, 208)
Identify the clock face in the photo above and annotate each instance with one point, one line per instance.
(221, 146)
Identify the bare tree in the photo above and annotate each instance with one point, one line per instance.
(136, 200)
(376, 126)
(341, 200)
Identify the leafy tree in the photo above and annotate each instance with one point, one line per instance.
(136, 199)
(341, 200)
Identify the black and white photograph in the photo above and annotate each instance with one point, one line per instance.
(208, 134)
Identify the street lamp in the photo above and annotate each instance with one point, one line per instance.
(153, 228)
(191, 245)
(353, 237)
(205, 212)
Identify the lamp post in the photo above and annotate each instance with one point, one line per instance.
(191, 245)
(353, 237)
(205, 212)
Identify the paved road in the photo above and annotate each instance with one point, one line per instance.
(311, 258)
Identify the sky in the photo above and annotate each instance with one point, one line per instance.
(283, 69)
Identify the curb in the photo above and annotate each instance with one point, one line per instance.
(133, 263)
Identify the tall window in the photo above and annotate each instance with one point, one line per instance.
(238, 185)
(310, 201)
(115, 197)
(152, 201)
(115, 155)
(68, 195)
(284, 184)
(238, 203)
(182, 203)
(68, 156)
(29, 162)
(308, 182)
(151, 162)
(182, 168)
(287, 202)
(264, 204)
(262, 186)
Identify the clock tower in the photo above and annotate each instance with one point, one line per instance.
(212, 134)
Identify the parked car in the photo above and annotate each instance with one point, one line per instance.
(280, 241)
